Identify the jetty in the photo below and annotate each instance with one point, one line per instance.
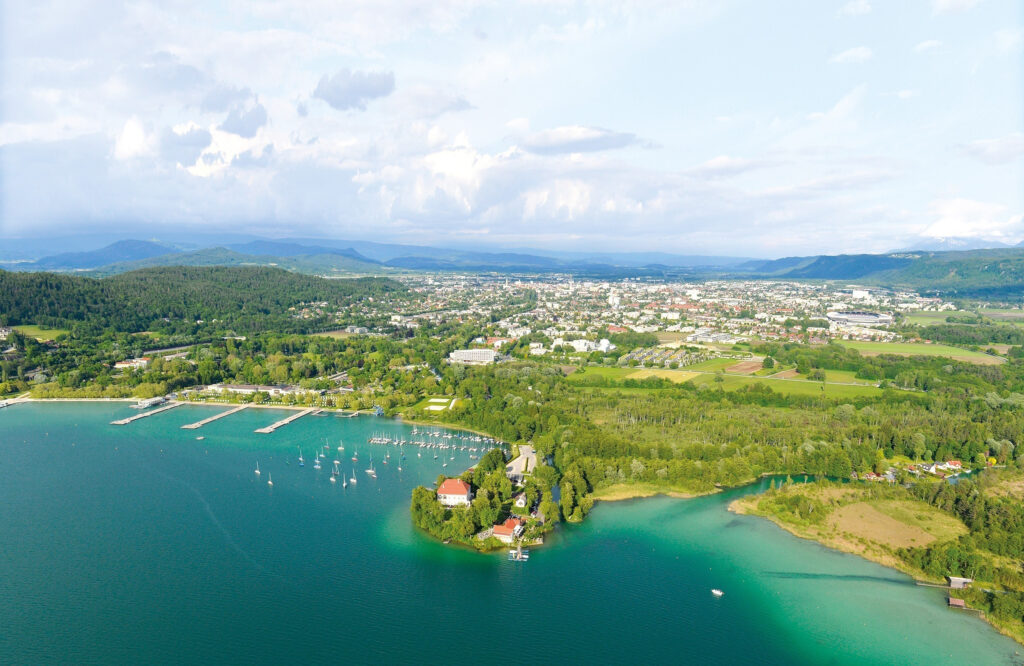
(145, 414)
(283, 422)
(200, 424)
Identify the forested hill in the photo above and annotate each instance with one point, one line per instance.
(174, 298)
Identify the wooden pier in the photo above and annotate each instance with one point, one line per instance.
(283, 422)
(200, 424)
(145, 414)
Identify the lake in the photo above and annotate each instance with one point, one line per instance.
(140, 543)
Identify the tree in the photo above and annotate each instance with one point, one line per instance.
(768, 362)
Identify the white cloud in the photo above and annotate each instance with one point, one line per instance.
(907, 93)
(927, 45)
(966, 218)
(857, 54)
(576, 139)
(856, 8)
(997, 151)
(346, 89)
(133, 141)
(948, 6)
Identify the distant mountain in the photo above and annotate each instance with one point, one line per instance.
(124, 250)
(847, 266)
(775, 266)
(286, 249)
(323, 263)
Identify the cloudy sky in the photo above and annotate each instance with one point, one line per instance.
(757, 127)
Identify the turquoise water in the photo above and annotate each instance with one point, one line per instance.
(142, 544)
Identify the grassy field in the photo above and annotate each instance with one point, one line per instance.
(788, 386)
(38, 332)
(895, 523)
(918, 349)
(731, 382)
(713, 365)
(618, 374)
(926, 318)
(855, 522)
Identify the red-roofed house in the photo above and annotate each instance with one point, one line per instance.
(508, 530)
(454, 492)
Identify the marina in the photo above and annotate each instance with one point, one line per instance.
(285, 421)
(200, 424)
(143, 415)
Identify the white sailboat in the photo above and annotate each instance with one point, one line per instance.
(270, 481)
(353, 479)
(257, 468)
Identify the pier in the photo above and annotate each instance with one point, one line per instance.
(145, 414)
(283, 422)
(200, 424)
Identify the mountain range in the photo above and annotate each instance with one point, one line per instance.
(995, 273)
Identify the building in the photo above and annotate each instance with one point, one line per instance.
(860, 318)
(454, 492)
(249, 389)
(5, 331)
(509, 530)
(957, 583)
(473, 356)
(132, 364)
(520, 500)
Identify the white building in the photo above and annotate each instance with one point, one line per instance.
(473, 356)
(454, 492)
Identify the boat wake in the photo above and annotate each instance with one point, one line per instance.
(213, 518)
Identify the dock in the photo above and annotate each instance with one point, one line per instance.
(283, 422)
(347, 415)
(200, 424)
(145, 414)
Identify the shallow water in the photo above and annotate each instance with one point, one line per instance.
(140, 543)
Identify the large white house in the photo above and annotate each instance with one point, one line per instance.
(454, 492)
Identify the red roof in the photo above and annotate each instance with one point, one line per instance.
(508, 528)
(453, 487)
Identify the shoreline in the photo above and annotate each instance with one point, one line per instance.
(741, 506)
(620, 492)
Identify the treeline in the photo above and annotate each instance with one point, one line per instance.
(973, 334)
(173, 299)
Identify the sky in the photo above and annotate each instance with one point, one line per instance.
(747, 128)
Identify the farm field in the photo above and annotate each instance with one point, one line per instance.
(915, 349)
(926, 318)
(39, 333)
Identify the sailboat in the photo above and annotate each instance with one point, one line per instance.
(316, 463)
(353, 479)
(302, 461)
(270, 481)
(257, 468)
(341, 445)
(372, 472)
(355, 456)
